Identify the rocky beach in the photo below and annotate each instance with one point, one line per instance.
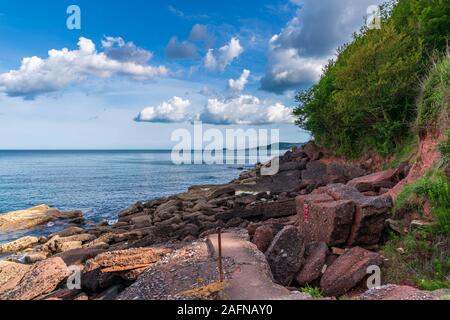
(318, 222)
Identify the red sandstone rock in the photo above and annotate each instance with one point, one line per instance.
(263, 237)
(374, 182)
(348, 270)
(312, 151)
(124, 260)
(370, 213)
(42, 278)
(316, 256)
(328, 222)
(10, 275)
(285, 255)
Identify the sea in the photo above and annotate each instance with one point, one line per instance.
(101, 183)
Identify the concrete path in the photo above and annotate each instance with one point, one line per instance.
(248, 274)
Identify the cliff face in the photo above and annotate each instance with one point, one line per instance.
(427, 156)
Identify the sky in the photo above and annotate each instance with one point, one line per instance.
(137, 70)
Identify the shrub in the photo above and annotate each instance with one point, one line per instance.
(434, 187)
(424, 261)
(445, 149)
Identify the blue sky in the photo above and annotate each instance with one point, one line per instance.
(137, 70)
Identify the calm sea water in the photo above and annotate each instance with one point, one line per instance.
(100, 183)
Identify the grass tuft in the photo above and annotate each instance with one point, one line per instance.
(314, 292)
(433, 188)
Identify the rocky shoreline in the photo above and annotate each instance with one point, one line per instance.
(314, 223)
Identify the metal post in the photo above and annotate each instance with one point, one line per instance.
(219, 235)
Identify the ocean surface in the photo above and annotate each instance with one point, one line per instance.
(100, 183)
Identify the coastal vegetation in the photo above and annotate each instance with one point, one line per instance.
(384, 92)
(367, 97)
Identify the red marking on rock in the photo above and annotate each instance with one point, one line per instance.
(306, 212)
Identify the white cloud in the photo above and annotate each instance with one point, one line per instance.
(298, 53)
(173, 110)
(239, 84)
(288, 69)
(62, 67)
(219, 59)
(245, 110)
(116, 48)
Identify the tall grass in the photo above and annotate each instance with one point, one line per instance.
(434, 101)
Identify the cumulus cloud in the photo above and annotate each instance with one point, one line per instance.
(297, 54)
(180, 50)
(288, 69)
(219, 59)
(188, 49)
(241, 110)
(173, 110)
(62, 67)
(116, 48)
(245, 110)
(200, 33)
(239, 84)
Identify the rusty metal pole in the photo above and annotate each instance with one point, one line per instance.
(219, 243)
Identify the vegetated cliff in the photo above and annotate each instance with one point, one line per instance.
(385, 101)
(366, 99)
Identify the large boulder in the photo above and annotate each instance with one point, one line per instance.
(58, 244)
(276, 209)
(312, 151)
(285, 255)
(285, 181)
(42, 278)
(341, 173)
(370, 215)
(33, 257)
(318, 174)
(314, 175)
(329, 222)
(70, 231)
(18, 245)
(264, 210)
(33, 217)
(348, 270)
(316, 258)
(115, 267)
(304, 202)
(207, 192)
(125, 260)
(95, 281)
(79, 256)
(375, 181)
(11, 273)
